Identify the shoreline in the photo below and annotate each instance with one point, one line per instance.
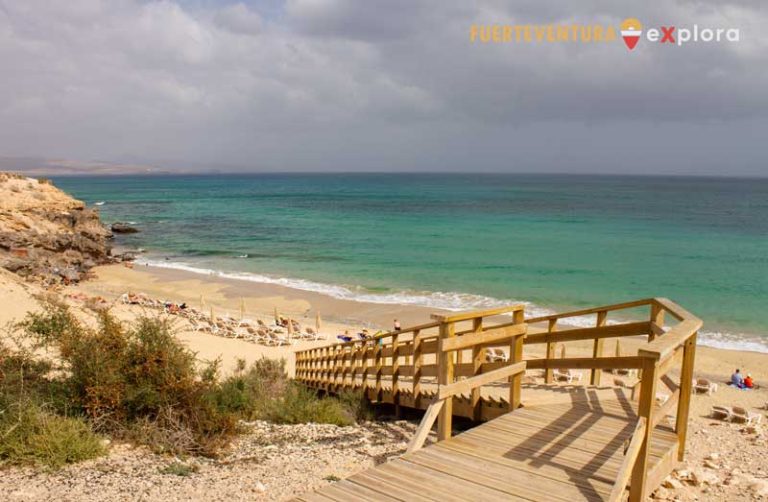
(715, 339)
(260, 300)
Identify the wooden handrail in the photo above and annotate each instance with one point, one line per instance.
(664, 346)
(630, 456)
(571, 335)
(595, 310)
(465, 316)
(582, 363)
(485, 337)
(466, 385)
(674, 309)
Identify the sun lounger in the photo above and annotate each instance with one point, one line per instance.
(495, 354)
(568, 375)
(704, 385)
(277, 340)
(743, 415)
(722, 412)
(198, 326)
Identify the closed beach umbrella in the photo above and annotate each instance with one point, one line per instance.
(277, 318)
(317, 322)
(290, 327)
(618, 348)
(242, 308)
(562, 351)
(213, 317)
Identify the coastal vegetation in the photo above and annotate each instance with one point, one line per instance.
(135, 382)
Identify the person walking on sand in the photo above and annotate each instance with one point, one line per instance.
(397, 326)
(737, 380)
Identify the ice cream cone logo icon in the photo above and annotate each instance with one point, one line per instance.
(631, 29)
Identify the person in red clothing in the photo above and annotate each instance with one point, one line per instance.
(748, 382)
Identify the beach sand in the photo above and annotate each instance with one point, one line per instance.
(225, 295)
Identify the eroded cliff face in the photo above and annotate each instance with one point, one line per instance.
(47, 235)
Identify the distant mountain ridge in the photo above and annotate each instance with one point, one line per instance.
(38, 166)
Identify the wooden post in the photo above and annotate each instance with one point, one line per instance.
(364, 349)
(445, 376)
(377, 350)
(638, 488)
(657, 321)
(396, 373)
(597, 349)
(417, 362)
(684, 402)
(478, 358)
(551, 328)
(515, 356)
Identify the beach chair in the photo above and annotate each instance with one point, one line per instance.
(722, 412)
(311, 334)
(198, 326)
(569, 376)
(704, 385)
(495, 354)
(278, 340)
(740, 414)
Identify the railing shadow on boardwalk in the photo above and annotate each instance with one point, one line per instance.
(539, 449)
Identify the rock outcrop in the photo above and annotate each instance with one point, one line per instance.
(47, 235)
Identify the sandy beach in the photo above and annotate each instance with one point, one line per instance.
(337, 315)
(708, 439)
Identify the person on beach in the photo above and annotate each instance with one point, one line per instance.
(737, 379)
(397, 325)
(345, 337)
(748, 382)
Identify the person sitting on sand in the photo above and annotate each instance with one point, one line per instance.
(397, 325)
(748, 382)
(345, 337)
(737, 379)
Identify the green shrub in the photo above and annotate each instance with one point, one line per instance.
(299, 405)
(135, 379)
(179, 469)
(138, 382)
(356, 402)
(30, 434)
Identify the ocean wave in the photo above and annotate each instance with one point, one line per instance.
(451, 301)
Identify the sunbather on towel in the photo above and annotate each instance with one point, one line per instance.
(737, 379)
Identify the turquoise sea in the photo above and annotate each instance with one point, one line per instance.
(465, 241)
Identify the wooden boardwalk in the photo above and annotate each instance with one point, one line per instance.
(563, 451)
(585, 443)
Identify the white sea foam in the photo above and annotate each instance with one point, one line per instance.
(451, 301)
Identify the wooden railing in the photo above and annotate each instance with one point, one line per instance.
(419, 361)
(425, 367)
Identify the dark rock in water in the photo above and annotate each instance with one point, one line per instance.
(124, 228)
(127, 256)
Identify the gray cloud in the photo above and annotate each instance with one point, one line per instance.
(349, 85)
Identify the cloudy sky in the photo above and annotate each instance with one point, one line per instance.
(352, 85)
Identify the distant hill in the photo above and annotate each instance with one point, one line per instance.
(32, 166)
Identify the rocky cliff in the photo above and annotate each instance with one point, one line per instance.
(47, 235)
